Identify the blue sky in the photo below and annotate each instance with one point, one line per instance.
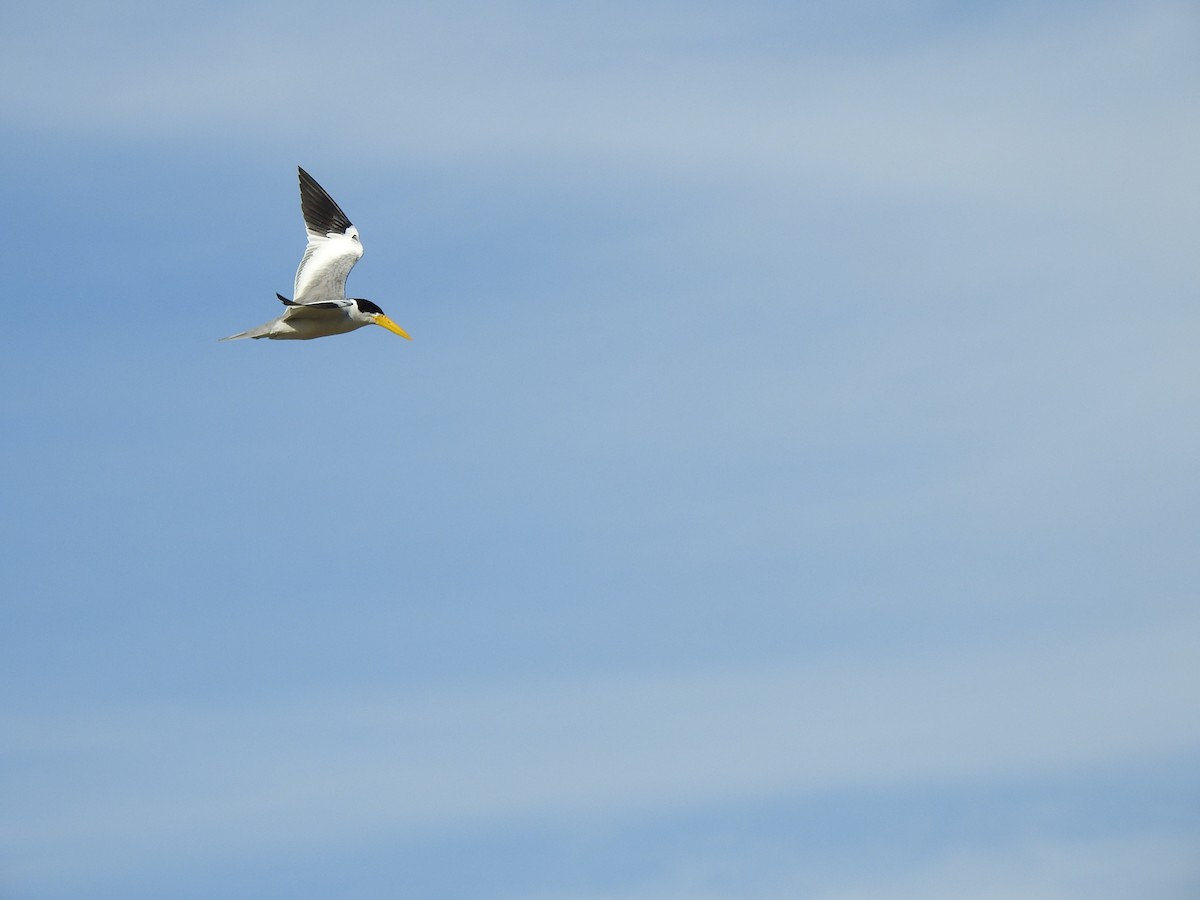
(789, 491)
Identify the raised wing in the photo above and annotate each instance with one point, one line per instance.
(333, 247)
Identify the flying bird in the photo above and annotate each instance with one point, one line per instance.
(319, 306)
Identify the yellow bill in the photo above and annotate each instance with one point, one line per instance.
(391, 326)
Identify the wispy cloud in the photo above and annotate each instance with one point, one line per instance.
(104, 789)
(1033, 867)
(1032, 106)
(803, 404)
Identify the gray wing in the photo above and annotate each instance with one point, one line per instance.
(326, 310)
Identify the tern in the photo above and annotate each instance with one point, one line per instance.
(319, 306)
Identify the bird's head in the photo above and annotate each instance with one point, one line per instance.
(375, 314)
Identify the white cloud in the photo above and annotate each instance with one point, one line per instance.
(1031, 867)
(107, 788)
(1045, 107)
(1044, 418)
(1046, 868)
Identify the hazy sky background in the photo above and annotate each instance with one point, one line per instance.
(790, 490)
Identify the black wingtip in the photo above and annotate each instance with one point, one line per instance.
(285, 301)
(321, 213)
